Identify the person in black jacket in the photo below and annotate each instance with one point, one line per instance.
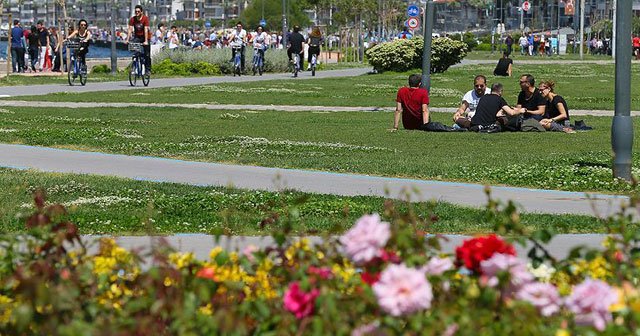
(296, 45)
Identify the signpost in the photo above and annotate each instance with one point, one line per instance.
(413, 23)
(263, 22)
(413, 11)
(526, 6)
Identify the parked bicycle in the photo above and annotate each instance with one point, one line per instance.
(237, 61)
(78, 67)
(258, 61)
(137, 68)
(296, 64)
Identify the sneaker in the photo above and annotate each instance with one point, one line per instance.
(568, 130)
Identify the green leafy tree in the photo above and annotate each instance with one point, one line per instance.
(273, 14)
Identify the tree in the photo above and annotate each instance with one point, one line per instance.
(252, 15)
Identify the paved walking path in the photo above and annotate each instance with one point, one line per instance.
(201, 244)
(263, 178)
(239, 107)
(13, 91)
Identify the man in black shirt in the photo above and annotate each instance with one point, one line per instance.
(504, 66)
(296, 41)
(489, 107)
(531, 99)
(43, 41)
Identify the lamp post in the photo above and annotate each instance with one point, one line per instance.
(622, 125)
(426, 51)
(284, 23)
(114, 56)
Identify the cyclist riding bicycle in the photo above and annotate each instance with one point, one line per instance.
(295, 45)
(259, 41)
(84, 35)
(314, 41)
(238, 40)
(139, 26)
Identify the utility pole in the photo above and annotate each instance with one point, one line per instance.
(613, 38)
(521, 16)
(284, 23)
(426, 51)
(622, 125)
(114, 55)
(581, 29)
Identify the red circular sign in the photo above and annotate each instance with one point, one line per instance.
(413, 23)
(526, 6)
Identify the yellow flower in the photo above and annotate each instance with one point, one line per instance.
(319, 255)
(620, 305)
(6, 308)
(206, 310)
(214, 252)
(168, 282)
(562, 332)
(103, 265)
(181, 260)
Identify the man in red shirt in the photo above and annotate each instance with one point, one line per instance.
(139, 26)
(412, 103)
(636, 46)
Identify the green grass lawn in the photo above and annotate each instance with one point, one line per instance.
(107, 205)
(584, 86)
(515, 55)
(353, 142)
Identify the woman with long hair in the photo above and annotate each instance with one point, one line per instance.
(556, 116)
(314, 41)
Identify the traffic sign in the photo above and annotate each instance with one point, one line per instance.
(526, 6)
(207, 24)
(413, 23)
(413, 10)
(263, 22)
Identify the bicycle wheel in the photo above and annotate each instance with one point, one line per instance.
(83, 75)
(132, 73)
(70, 74)
(146, 76)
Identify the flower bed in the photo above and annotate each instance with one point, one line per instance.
(382, 277)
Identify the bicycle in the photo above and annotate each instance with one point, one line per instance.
(296, 64)
(258, 61)
(137, 69)
(77, 69)
(237, 61)
(314, 61)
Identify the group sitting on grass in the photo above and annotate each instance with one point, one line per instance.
(484, 110)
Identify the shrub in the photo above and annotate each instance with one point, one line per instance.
(275, 61)
(384, 276)
(169, 68)
(468, 38)
(100, 69)
(406, 54)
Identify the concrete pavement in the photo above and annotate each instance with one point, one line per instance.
(263, 178)
(13, 91)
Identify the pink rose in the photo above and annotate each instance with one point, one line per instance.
(299, 302)
(543, 296)
(402, 290)
(590, 301)
(437, 266)
(322, 272)
(366, 239)
(498, 263)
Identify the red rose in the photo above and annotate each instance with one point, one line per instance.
(370, 278)
(299, 302)
(475, 250)
(207, 273)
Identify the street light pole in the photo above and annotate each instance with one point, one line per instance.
(284, 23)
(622, 125)
(581, 29)
(114, 56)
(426, 51)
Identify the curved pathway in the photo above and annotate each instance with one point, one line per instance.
(263, 178)
(13, 91)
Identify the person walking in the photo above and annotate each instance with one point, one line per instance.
(17, 47)
(32, 42)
